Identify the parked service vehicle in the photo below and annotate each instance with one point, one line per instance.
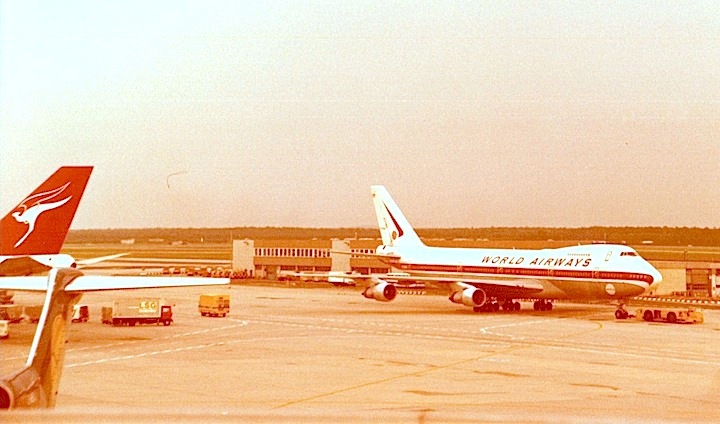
(12, 313)
(671, 315)
(6, 297)
(81, 313)
(32, 312)
(139, 311)
(214, 305)
(4, 329)
(106, 314)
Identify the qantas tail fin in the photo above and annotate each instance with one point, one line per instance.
(394, 227)
(40, 223)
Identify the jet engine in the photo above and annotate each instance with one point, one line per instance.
(22, 390)
(382, 291)
(470, 296)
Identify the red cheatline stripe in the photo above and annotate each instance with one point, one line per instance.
(528, 272)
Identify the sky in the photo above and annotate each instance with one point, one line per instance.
(266, 113)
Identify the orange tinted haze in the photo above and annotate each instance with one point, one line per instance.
(206, 114)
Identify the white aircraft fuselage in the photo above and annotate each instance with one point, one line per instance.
(603, 271)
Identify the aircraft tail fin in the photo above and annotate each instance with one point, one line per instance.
(41, 221)
(395, 229)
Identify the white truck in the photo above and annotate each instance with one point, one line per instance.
(138, 311)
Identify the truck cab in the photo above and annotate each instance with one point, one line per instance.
(81, 313)
(166, 314)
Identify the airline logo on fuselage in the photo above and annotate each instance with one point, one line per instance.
(537, 261)
(32, 207)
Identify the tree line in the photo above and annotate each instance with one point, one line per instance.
(663, 236)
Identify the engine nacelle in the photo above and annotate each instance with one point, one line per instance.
(470, 296)
(383, 292)
(22, 390)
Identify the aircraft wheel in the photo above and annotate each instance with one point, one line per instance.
(671, 317)
(648, 315)
(621, 314)
(516, 306)
(536, 305)
(548, 306)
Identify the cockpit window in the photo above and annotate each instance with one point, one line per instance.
(628, 254)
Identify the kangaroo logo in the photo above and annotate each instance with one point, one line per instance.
(33, 206)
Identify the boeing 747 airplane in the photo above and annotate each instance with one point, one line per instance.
(486, 279)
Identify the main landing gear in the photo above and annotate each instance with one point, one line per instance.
(542, 305)
(494, 306)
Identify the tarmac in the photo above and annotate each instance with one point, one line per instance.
(329, 355)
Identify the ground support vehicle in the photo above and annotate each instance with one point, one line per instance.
(214, 305)
(11, 313)
(671, 315)
(32, 312)
(81, 313)
(138, 311)
(106, 314)
(6, 297)
(4, 329)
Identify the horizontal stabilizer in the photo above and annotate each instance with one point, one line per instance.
(366, 255)
(34, 283)
(87, 283)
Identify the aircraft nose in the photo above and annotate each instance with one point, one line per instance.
(656, 279)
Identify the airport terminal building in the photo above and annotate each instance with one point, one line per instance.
(268, 258)
(695, 277)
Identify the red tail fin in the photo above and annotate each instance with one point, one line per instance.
(40, 223)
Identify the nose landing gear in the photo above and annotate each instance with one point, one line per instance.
(621, 312)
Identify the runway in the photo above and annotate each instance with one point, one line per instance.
(328, 354)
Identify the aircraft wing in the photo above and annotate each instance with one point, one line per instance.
(477, 282)
(503, 288)
(87, 283)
